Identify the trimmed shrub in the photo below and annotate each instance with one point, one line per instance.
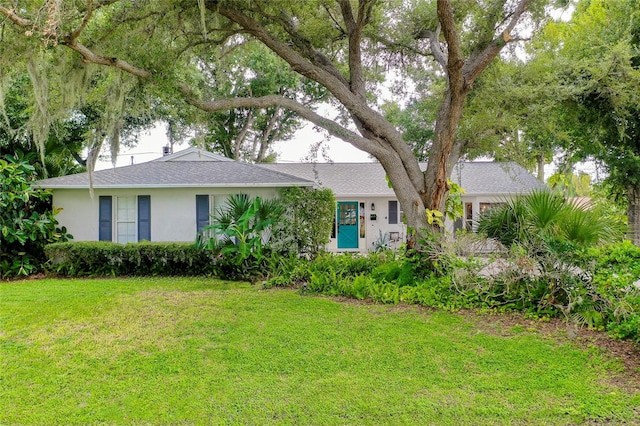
(102, 258)
(305, 227)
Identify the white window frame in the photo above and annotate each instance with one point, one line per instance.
(121, 221)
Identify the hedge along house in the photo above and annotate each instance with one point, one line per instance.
(168, 199)
(368, 212)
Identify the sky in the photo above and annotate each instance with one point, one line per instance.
(295, 150)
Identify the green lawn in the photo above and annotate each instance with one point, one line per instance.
(200, 351)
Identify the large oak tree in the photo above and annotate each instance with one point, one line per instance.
(345, 46)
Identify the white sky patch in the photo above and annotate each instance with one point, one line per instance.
(298, 149)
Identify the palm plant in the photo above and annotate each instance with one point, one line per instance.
(547, 231)
(242, 227)
(546, 217)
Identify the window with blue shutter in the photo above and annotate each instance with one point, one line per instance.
(202, 212)
(105, 219)
(144, 218)
(393, 212)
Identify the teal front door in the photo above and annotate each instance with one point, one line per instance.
(347, 224)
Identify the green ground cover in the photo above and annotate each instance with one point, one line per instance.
(201, 351)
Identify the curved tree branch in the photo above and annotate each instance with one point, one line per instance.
(15, 18)
(85, 21)
(305, 62)
(354, 30)
(71, 41)
(308, 62)
(278, 101)
(454, 51)
(89, 57)
(436, 47)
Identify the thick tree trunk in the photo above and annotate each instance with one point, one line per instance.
(442, 152)
(411, 199)
(633, 213)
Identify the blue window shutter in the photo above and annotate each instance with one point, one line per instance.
(393, 212)
(105, 227)
(144, 218)
(202, 212)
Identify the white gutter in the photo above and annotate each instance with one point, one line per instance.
(180, 185)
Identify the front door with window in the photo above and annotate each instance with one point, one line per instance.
(347, 224)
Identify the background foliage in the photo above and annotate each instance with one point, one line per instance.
(27, 221)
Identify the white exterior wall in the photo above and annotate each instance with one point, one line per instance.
(372, 228)
(475, 203)
(173, 210)
(173, 213)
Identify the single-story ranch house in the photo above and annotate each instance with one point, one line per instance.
(368, 209)
(173, 197)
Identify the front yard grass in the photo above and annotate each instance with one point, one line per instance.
(201, 351)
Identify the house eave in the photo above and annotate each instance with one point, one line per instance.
(495, 194)
(168, 186)
(369, 195)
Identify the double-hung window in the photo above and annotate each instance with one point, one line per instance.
(129, 217)
(126, 219)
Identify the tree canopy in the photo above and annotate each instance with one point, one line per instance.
(161, 53)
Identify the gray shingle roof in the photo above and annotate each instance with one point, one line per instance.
(196, 168)
(345, 179)
(179, 173)
(368, 179)
(483, 178)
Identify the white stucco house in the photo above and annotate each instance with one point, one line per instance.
(171, 198)
(368, 208)
(167, 199)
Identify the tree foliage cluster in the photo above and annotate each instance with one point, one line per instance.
(576, 97)
(27, 222)
(602, 79)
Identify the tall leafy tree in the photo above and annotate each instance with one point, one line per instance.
(250, 69)
(344, 46)
(64, 143)
(594, 64)
(508, 115)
